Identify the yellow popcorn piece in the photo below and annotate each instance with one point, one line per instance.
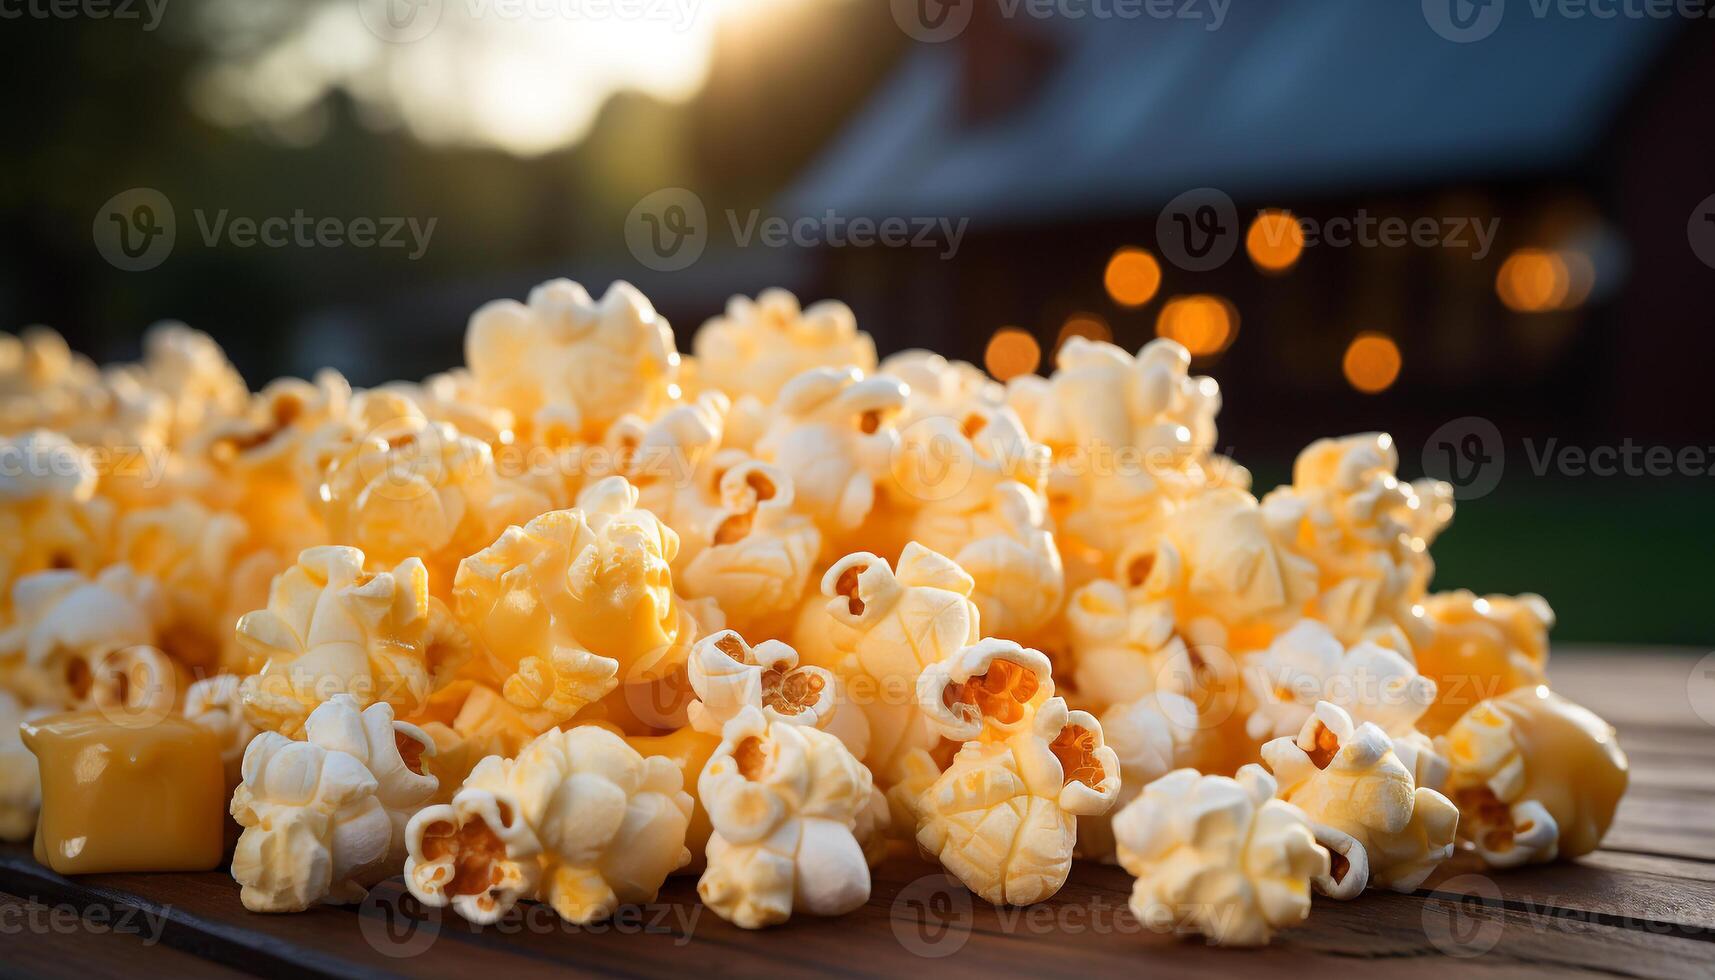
(1124, 649)
(968, 481)
(579, 820)
(1536, 777)
(1481, 647)
(1367, 532)
(217, 704)
(406, 487)
(729, 675)
(576, 602)
(1130, 438)
(885, 626)
(1003, 818)
(191, 552)
(89, 643)
(1151, 737)
(567, 361)
(990, 691)
(20, 787)
(43, 383)
(1231, 583)
(759, 345)
(1308, 664)
(1218, 856)
(190, 370)
(469, 721)
(690, 750)
(833, 434)
(331, 627)
(756, 553)
(784, 801)
(50, 518)
(1381, 829)
(261, 458)
(324, 818)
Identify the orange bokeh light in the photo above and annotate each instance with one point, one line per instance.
(1275, 241)
(1086, 325)
(1132, 277)
(1204, 324)
(1372, 363)
(1534, 280)
(1011, 352)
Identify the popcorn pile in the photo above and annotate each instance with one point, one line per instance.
(588, 613)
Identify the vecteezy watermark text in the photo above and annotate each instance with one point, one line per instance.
(1465, 21)
(31, 916)
(137, 229)
(147, 11)
(934, 21)
(668, 230)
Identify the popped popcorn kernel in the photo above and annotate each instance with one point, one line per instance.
(729, 675)
(1481, 647)
(564, 354)
(50, 517)
(77, 642)
(1003, 817)
(1536, 777)
(833, 434)
(579, 820)
(20, 786)
(324, 818)
(987, 691)
(594, 583)
(759, 345)
(331, 627)
(1150, 737)
(1367, 532)
(1362, 801)
(755, 553)
(784, 801)
(1218, 856)
(217, 704)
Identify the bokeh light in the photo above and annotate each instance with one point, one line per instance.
(1372, 363)
(1205, 324)
(1086, 325)
(1535, 280)
(1132, 277)
(1011, 352)
(1275, 240)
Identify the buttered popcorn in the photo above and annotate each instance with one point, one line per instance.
(579, 820)
(1380, 828)
(324, 818)
(583, 613)
(1218, 856)
(1003, 817)
(333, 627)
(785, 801)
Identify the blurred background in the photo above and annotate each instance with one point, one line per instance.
(1488, 228)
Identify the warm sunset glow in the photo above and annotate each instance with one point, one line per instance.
(1372, 363)
(1204, 324)
(1011, 352)
(1275, 241)
(1132, 277)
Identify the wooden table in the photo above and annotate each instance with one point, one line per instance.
(1643, 906)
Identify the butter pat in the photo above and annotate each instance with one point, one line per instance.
(127, 799)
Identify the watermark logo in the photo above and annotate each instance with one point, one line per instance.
(933, 461)
(1468, 454)
(1464, 21)
(135, 230)
(147, 11)
(1199, 230)
(1700, 689)
(1463, 916)
(933, 21)
(668, 230)
(400, 21)
(396, 925)
(932, 916)
(1701, 231)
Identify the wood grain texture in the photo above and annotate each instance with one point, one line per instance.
(1643, 906)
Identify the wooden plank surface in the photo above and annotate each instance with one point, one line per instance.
(1644, 906)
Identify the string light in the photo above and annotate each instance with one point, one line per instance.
(1205, 324)
(1011, 352)
(1132, 277)
(1372, 363)
(1275, 240)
